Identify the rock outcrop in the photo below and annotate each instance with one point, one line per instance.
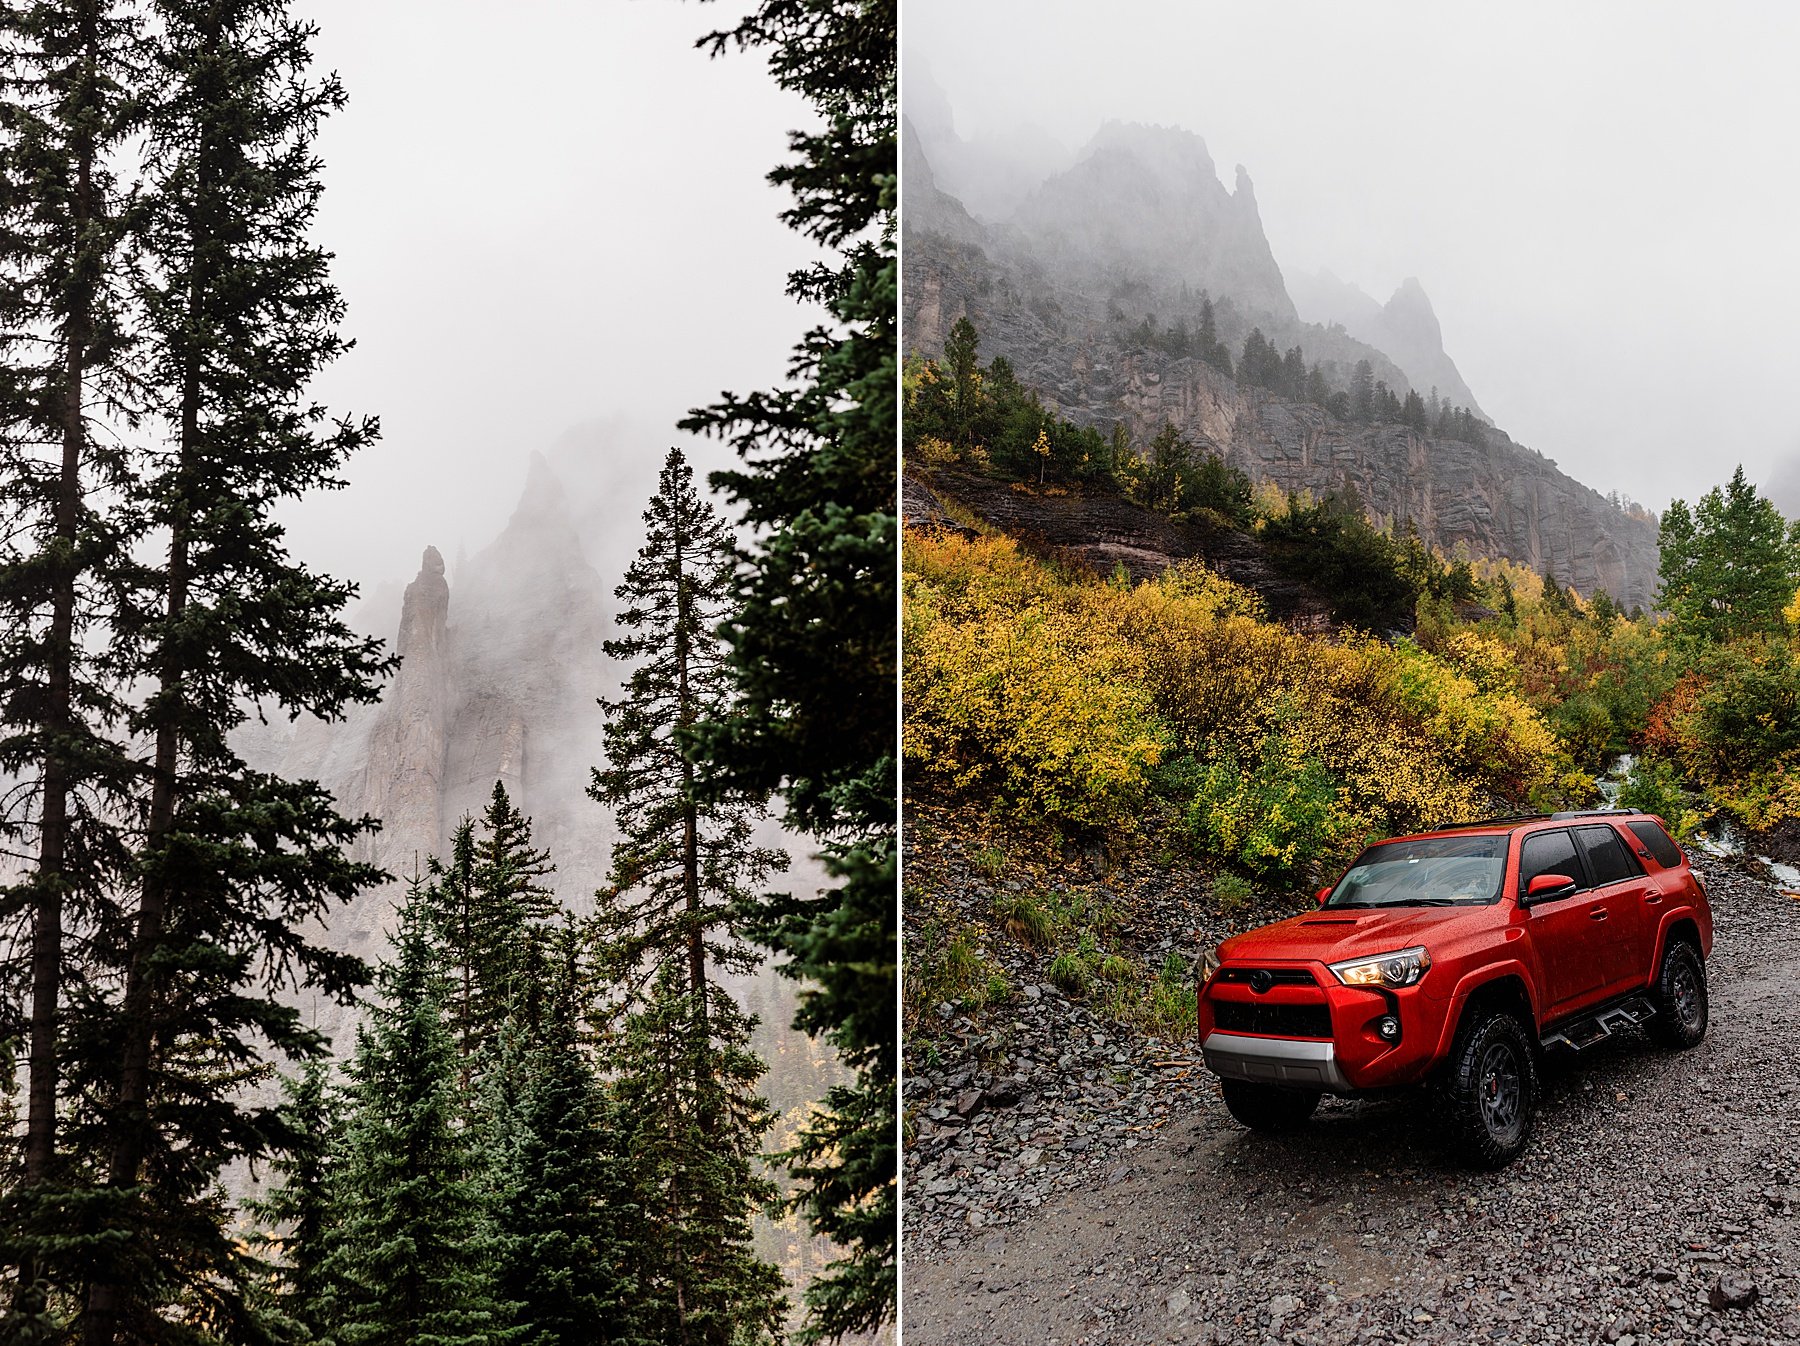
(500, 668)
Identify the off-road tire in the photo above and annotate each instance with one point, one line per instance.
(1488, 1088)
(1268, 1107)
(1680, 998)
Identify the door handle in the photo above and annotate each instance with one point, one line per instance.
(1652, 898)
(1597, 914)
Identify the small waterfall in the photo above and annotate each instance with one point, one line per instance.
(1613, 779)
(1720, 838)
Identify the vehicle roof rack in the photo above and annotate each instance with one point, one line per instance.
(1509, 820)
(1588, 813)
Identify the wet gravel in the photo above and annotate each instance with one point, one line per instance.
(1069, 1181)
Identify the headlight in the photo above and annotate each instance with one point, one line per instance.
(1384, 969)
(1209, 964)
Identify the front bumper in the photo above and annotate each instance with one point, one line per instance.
(1337, 1047)
(1297, 1062)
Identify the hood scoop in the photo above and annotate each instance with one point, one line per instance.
(1340, 920)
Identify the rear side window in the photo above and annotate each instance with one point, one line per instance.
(1658, 842)
(1548, 853)
(1608, 860)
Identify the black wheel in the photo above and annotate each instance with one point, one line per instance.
(1680, 998)
(1488, 1091)
(1268, 1107)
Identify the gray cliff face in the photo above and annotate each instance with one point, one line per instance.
(1501, 500)
(498, 678)
(1061, 327)
(990, 174)
(1405, 328)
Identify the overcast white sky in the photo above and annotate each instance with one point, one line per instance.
(1600, 199)
(549, 217)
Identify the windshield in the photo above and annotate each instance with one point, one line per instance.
(1429, 872)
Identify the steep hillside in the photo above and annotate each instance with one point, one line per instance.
(1082, 331)
(1107, 533)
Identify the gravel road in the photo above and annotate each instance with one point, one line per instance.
(1070, 1183)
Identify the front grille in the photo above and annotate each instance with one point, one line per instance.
(1293, 1021)
(1278, 976)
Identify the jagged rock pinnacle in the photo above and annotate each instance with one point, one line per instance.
(425, 610)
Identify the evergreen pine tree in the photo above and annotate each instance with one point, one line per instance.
(962, 359)
(1729, 565)
(409, 1258)
(239, 315)
(686, 1105)
(1555, 597)
(563, 1207)
(63, 365)
(682, 867)
(1166, 470)
(295, 1215)
(812, 637)
(1293, 373)
(1362, 391)
(488, 908)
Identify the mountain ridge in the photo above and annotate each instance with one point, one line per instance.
(1069, 333)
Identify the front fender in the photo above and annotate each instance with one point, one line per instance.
(1474, 980)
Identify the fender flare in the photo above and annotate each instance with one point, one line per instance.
(1668, 921)
(1474, 981)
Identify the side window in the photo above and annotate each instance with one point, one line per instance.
(1658, 842)
(1548, 853)
(1608, 860)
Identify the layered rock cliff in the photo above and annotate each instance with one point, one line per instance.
(1072, 330)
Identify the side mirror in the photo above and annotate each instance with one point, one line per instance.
(1547, 886)
(1323, 894)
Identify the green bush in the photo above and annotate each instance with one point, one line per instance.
(1654, 786)
(1278, 816)
(1027, 918)
(1231, 891)
(1069, 972)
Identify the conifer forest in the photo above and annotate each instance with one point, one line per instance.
(548, 1125)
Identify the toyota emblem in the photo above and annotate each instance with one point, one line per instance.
(1261, 980)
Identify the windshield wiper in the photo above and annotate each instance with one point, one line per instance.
(1410, 902)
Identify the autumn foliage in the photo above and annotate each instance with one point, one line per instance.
(1060, 700)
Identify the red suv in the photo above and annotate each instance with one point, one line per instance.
(1453, 958)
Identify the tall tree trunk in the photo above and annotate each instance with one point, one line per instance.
(132, 1103)
(131, 1106)
(690, 808)
(50, 883)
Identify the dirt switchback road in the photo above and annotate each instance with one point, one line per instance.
(1659, 1202)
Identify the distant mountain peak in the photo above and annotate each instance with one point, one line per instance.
(1405, 329)
(1147, 199)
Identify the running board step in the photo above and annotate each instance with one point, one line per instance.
(1597, 1027)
